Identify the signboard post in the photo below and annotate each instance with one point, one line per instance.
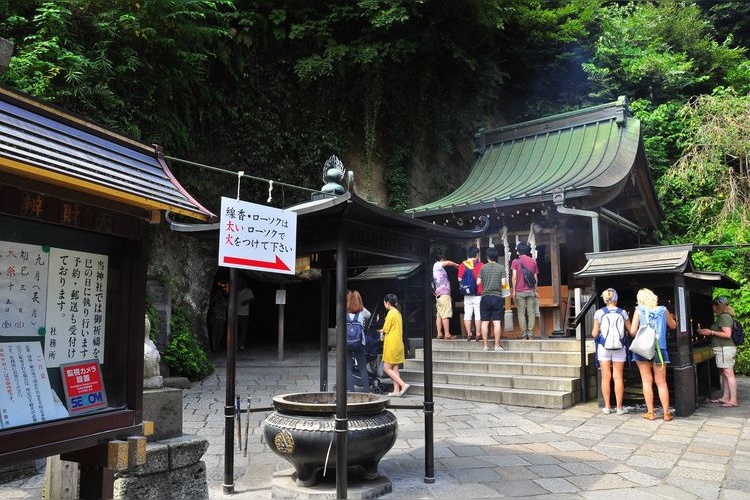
(255, 238)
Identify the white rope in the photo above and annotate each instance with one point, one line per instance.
(239, 182)
(508, 316)
(532, 241)
(506, 251)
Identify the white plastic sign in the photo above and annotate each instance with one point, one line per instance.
(257, 237)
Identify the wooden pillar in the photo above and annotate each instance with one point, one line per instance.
(325, 283)
(554, 260)
(342, 418)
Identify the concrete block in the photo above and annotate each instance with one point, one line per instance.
(188, 482)
(285, 486)
(157, 460)
(163, 407)
(185, 450)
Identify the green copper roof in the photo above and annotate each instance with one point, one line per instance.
(586, 153)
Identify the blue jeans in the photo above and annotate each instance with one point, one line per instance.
(358, 354)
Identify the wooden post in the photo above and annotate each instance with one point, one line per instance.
(60, 479)
(554, 261)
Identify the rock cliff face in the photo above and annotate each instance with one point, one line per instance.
(185, 265)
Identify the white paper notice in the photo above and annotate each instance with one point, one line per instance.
(76, 307)
(23, 289)
(25, 395)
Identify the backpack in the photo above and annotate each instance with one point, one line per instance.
(354, 332)
(612, 329)
(468, 283)
(738, 333)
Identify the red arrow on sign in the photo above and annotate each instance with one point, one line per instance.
(279, 264)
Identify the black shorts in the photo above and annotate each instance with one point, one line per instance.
(491, 308)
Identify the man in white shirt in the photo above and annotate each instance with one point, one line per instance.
(244, 297)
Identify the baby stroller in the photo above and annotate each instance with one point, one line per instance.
(373, 357)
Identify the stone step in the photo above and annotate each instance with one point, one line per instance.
(570, 345)
(498, 367)
(501, 395)
(535, 373)
(562, 384)
(518, 356)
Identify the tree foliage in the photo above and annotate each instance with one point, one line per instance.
(659, 51)
(137, 67)
(274, 87)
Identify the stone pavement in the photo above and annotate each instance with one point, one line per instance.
(485, 450)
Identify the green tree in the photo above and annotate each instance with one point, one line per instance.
(708, 192)
(137, 67)
(659, 51)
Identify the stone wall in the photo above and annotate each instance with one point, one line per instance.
(181, 269)
(173, 469)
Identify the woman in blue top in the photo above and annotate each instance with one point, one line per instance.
(653, 370)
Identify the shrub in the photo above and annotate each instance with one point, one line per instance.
(183, 355)
(742, 365)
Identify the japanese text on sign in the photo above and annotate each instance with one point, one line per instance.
(76, 307)
(23, 289)
(25, 395)
(257, 237)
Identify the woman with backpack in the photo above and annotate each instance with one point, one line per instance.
(649, 312)
(356, 313)
(724, 350)
(610, 323)
(393, 344)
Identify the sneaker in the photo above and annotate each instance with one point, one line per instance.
(499, 348)
(622, 411)
(403, 391)
(486, 348)
(606, 411)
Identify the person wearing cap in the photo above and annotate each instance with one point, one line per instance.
(524, 293)
(611, 361)
(724, 350)
(649, 312)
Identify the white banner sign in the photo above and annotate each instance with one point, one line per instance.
(23, 289)
(76, 307)
(257, 237)
(25, 394)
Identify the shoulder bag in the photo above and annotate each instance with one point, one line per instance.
(644, 343)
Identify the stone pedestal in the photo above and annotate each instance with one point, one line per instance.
(164, 408)
(173, 469)
(284, 485)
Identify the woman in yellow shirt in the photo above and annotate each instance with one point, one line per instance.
(393, 344)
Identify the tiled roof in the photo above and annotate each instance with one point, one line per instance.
(668, 259)
(581, 153)
(42, 143)
(648, 260)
